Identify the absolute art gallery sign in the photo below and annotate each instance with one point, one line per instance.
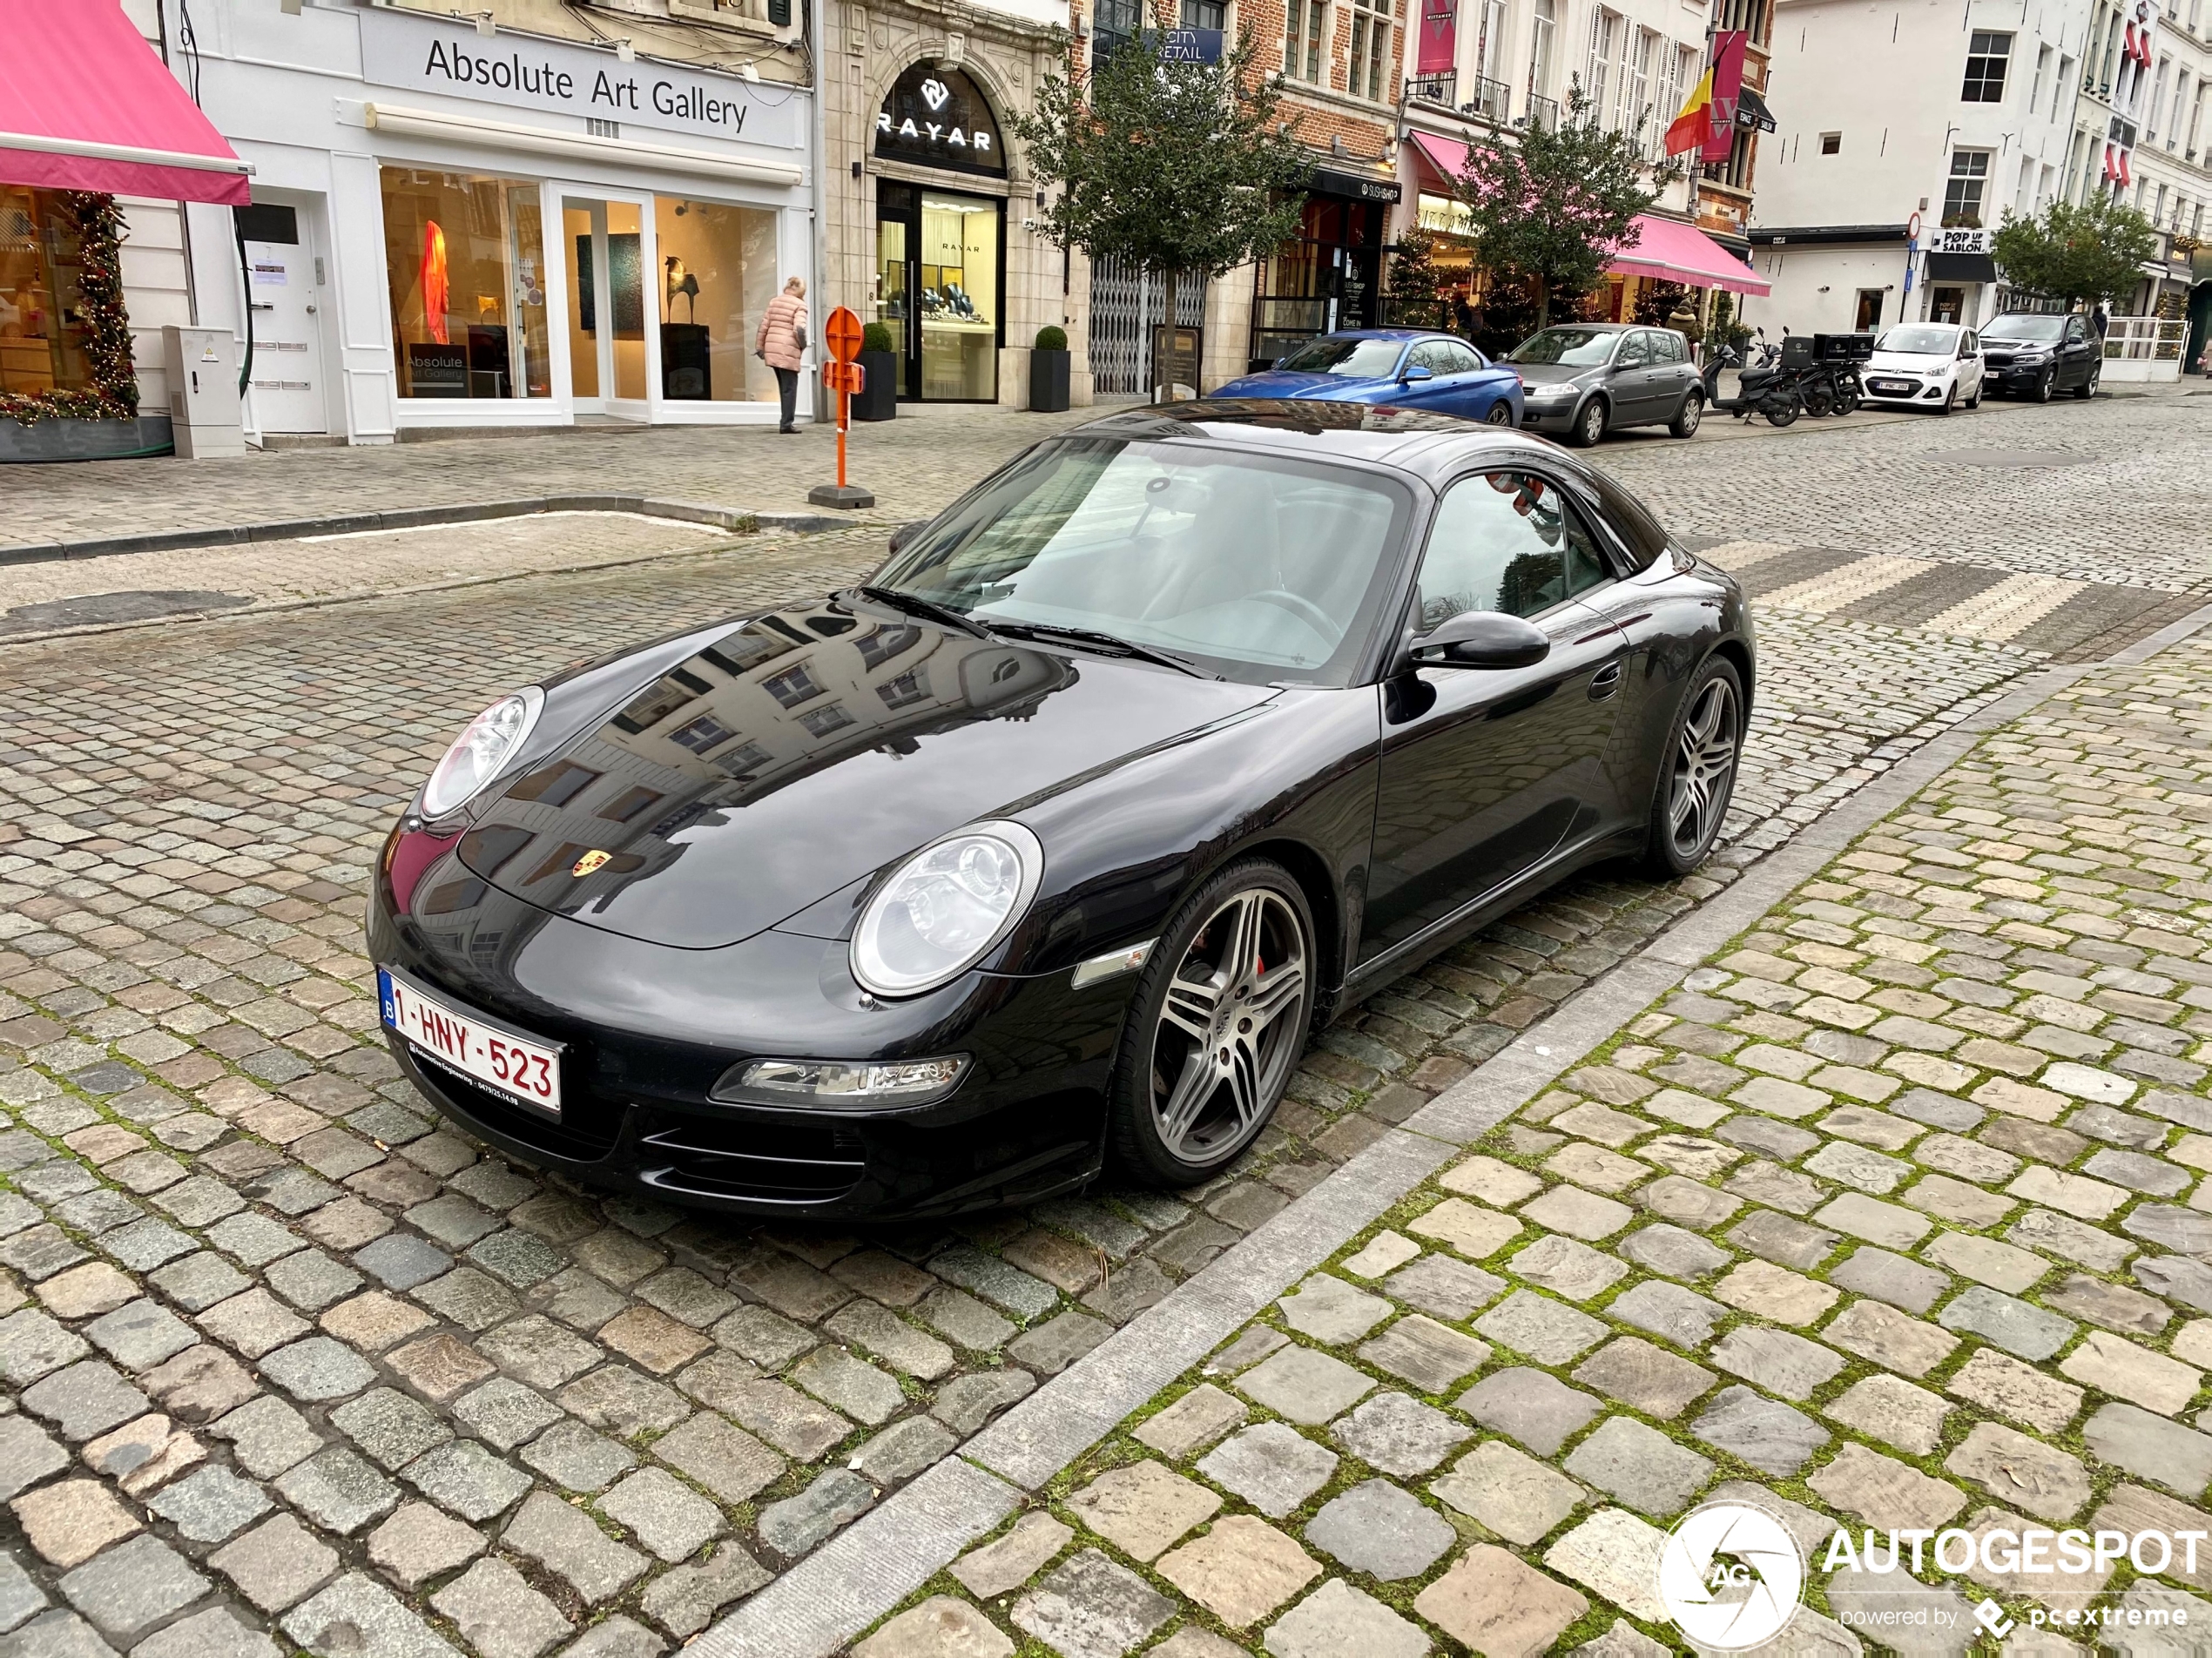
(427, 54)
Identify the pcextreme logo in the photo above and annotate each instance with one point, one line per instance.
(1730, 1576)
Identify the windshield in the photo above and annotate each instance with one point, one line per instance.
(1919, 341)
(1356, 359)
(2024, 327)
(1262, 569)
(1580, 348)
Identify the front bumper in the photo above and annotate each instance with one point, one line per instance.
(2015, 376)
(1548, 417)
(649, 1028)
(1900, 388)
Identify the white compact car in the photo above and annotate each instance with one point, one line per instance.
(1926, 365)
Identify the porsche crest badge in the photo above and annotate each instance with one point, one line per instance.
(589, 862)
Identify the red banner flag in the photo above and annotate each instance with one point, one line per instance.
(1728, 83)
(1440, 42)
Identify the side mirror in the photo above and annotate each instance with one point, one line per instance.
(1482, 639)
(1415, 372)
(1278, 363)
(906, 533)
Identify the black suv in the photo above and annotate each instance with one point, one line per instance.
(2024, 353)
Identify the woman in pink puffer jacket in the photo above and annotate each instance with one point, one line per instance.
(780, 342)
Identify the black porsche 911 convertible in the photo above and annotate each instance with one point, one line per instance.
(1046, 847)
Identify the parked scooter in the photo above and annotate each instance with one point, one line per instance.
(1763, 387)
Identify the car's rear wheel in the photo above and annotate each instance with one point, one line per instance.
(2088, 389)
(1590, 423)
(1697, 771)
(1686, 418)
(1215, 1027)
(1500, 413)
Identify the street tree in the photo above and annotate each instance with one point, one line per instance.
(1551, 204)
(1171, 166)
(2080, 252)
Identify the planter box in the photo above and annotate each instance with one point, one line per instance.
(72, 440)
(879, 399)
(1049, 382)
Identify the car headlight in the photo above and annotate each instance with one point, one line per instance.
(945, 907)
(841, 1084)
(479, 752)
(2033, 357)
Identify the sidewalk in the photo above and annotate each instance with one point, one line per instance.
(914, 464)
(1871, 1192)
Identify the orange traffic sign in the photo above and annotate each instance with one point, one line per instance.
(843, 334)
(850, 378)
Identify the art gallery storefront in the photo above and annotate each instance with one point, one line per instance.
(467, 244)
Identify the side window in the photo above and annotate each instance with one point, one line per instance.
(1677, 347)
(1969, 343)
(2075, 333)
(1504, 541)
(1431, 356)
(1631, 354)
(1463, 357)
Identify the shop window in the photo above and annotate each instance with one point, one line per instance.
(959, 297)
(718, 272)
(42, 331)
(1368, 73)
(465, 259)
(1988, 55)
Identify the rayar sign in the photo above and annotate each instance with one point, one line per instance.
(939, 117)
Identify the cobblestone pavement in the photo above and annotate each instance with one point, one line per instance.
(1894, 1216)
(280, 1354)
(1866, 482)
(125, 587)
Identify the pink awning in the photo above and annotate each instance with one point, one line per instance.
(1447, 157)
(85, 104)
(1677, 252)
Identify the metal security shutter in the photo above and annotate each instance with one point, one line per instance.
(1124, 300)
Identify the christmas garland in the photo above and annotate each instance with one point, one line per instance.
(104, 325)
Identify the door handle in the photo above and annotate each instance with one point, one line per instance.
(1605, 681)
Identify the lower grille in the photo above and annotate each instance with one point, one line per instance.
(786, 1163)
(586, 1132)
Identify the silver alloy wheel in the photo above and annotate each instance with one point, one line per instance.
(1231, 1026)
(1693, 411)
(1704, 765)
(1500, 414)
(1591, 423)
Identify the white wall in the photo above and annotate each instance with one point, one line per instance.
(1816, 289)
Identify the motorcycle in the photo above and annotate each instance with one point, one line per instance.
(1763, 387)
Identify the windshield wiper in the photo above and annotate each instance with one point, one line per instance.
(1107, 642)
(914, 604)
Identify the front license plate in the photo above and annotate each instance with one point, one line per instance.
(525, 1071)
(1891, 387)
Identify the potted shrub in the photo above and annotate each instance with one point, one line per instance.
(879, 398)
(1048, 372)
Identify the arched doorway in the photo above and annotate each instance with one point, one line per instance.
(941, 249)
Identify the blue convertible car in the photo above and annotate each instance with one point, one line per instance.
(1408, 368)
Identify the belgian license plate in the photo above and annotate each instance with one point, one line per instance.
(1891, 387)
(523, 1070)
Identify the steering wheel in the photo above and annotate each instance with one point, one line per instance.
(1303, 608)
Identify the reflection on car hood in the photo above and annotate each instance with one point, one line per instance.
(1284, 382)
(801, 751)
(1908, 362)
(1543, 374)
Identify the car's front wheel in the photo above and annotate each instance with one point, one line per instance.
(1590, 423)
(2041, 392)
(1686, 418)
(1696, 771)
(1215, 1027)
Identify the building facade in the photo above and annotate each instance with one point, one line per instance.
(929, 204)
(543, 214)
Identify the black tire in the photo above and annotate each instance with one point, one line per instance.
(1781, 411)
(1686, 418)
(1847, 400)
(1667, 852)
(1820, 400)
(2088, 389)
(2041, 392)
(1498, 414)
(1222, 1106)
(1590, 422)
(1975, 401)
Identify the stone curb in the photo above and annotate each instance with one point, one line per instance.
(833, 1595)
(162, 540)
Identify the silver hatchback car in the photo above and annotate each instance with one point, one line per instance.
(1585, 379)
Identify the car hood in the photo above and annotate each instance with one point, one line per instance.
(798, 753)
(1284, 382)
(1540, 374)
(1907, 362)
(1987, 344)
